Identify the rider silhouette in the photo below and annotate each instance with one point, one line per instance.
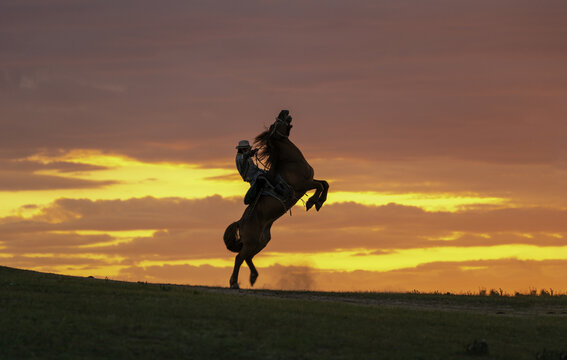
(248, 170)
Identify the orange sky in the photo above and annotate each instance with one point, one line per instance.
(440, 128)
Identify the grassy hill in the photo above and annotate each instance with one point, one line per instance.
(47, 316)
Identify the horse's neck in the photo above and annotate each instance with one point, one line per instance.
(289, 152)
(286, 160)
(292, 166)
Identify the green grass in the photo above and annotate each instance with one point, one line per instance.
(48, 316)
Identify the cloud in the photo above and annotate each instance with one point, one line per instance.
(49, 243)
(21, 181)
(60, 166)
(192, 229)
(56, 263)
(353, 216)
(131, 214)
(516, 182)
(480, 82)
(172, 245)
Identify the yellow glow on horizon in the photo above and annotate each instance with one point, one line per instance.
(340, 260)
(426, 201)
(409, 258)
(352, 260)
(134, 179)
(473, 268)
(118, 236)
(452, 236)
(102, 257)
(114, 233)
(216, 262)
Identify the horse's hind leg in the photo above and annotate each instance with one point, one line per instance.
(234, 278)
(253, 271)
(266, 234)
(264, 239)
(323, 196)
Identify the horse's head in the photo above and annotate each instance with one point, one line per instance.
(267, 141)
(282, 126)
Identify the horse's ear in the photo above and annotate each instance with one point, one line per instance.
(283, 114)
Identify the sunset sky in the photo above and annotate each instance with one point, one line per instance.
(440, 126)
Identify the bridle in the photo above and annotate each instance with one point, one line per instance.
(274, 130)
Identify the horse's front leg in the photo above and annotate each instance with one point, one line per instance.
(323, 196)
(318, 190)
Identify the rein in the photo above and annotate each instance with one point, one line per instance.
(282, 135)
(260, 161)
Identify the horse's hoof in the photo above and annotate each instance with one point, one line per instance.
(308, 205)
(234, 286)
(318, 206)
(253, 278)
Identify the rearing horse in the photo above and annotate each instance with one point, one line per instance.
(251, 233)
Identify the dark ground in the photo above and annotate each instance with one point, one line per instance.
(46, 316)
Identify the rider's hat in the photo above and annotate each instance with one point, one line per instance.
(243, 144)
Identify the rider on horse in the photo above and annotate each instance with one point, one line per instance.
(290, 178)
(249, 171)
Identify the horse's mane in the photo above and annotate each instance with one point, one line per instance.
(266, 151)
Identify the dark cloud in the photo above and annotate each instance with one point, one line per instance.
(19, 174)
(172, 245)
(354, 216)
(23, 181)
(49, 243)
(53, 263)
(60, 166)
(133, 214)
(478, 81)
(192, 229)
(526, 184)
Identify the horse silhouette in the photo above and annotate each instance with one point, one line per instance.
(249, 235)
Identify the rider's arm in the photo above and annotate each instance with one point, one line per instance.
(242, 166)
(250, 154)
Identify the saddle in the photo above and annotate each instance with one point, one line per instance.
(279, 189)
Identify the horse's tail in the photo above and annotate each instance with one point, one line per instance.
(232, 238)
